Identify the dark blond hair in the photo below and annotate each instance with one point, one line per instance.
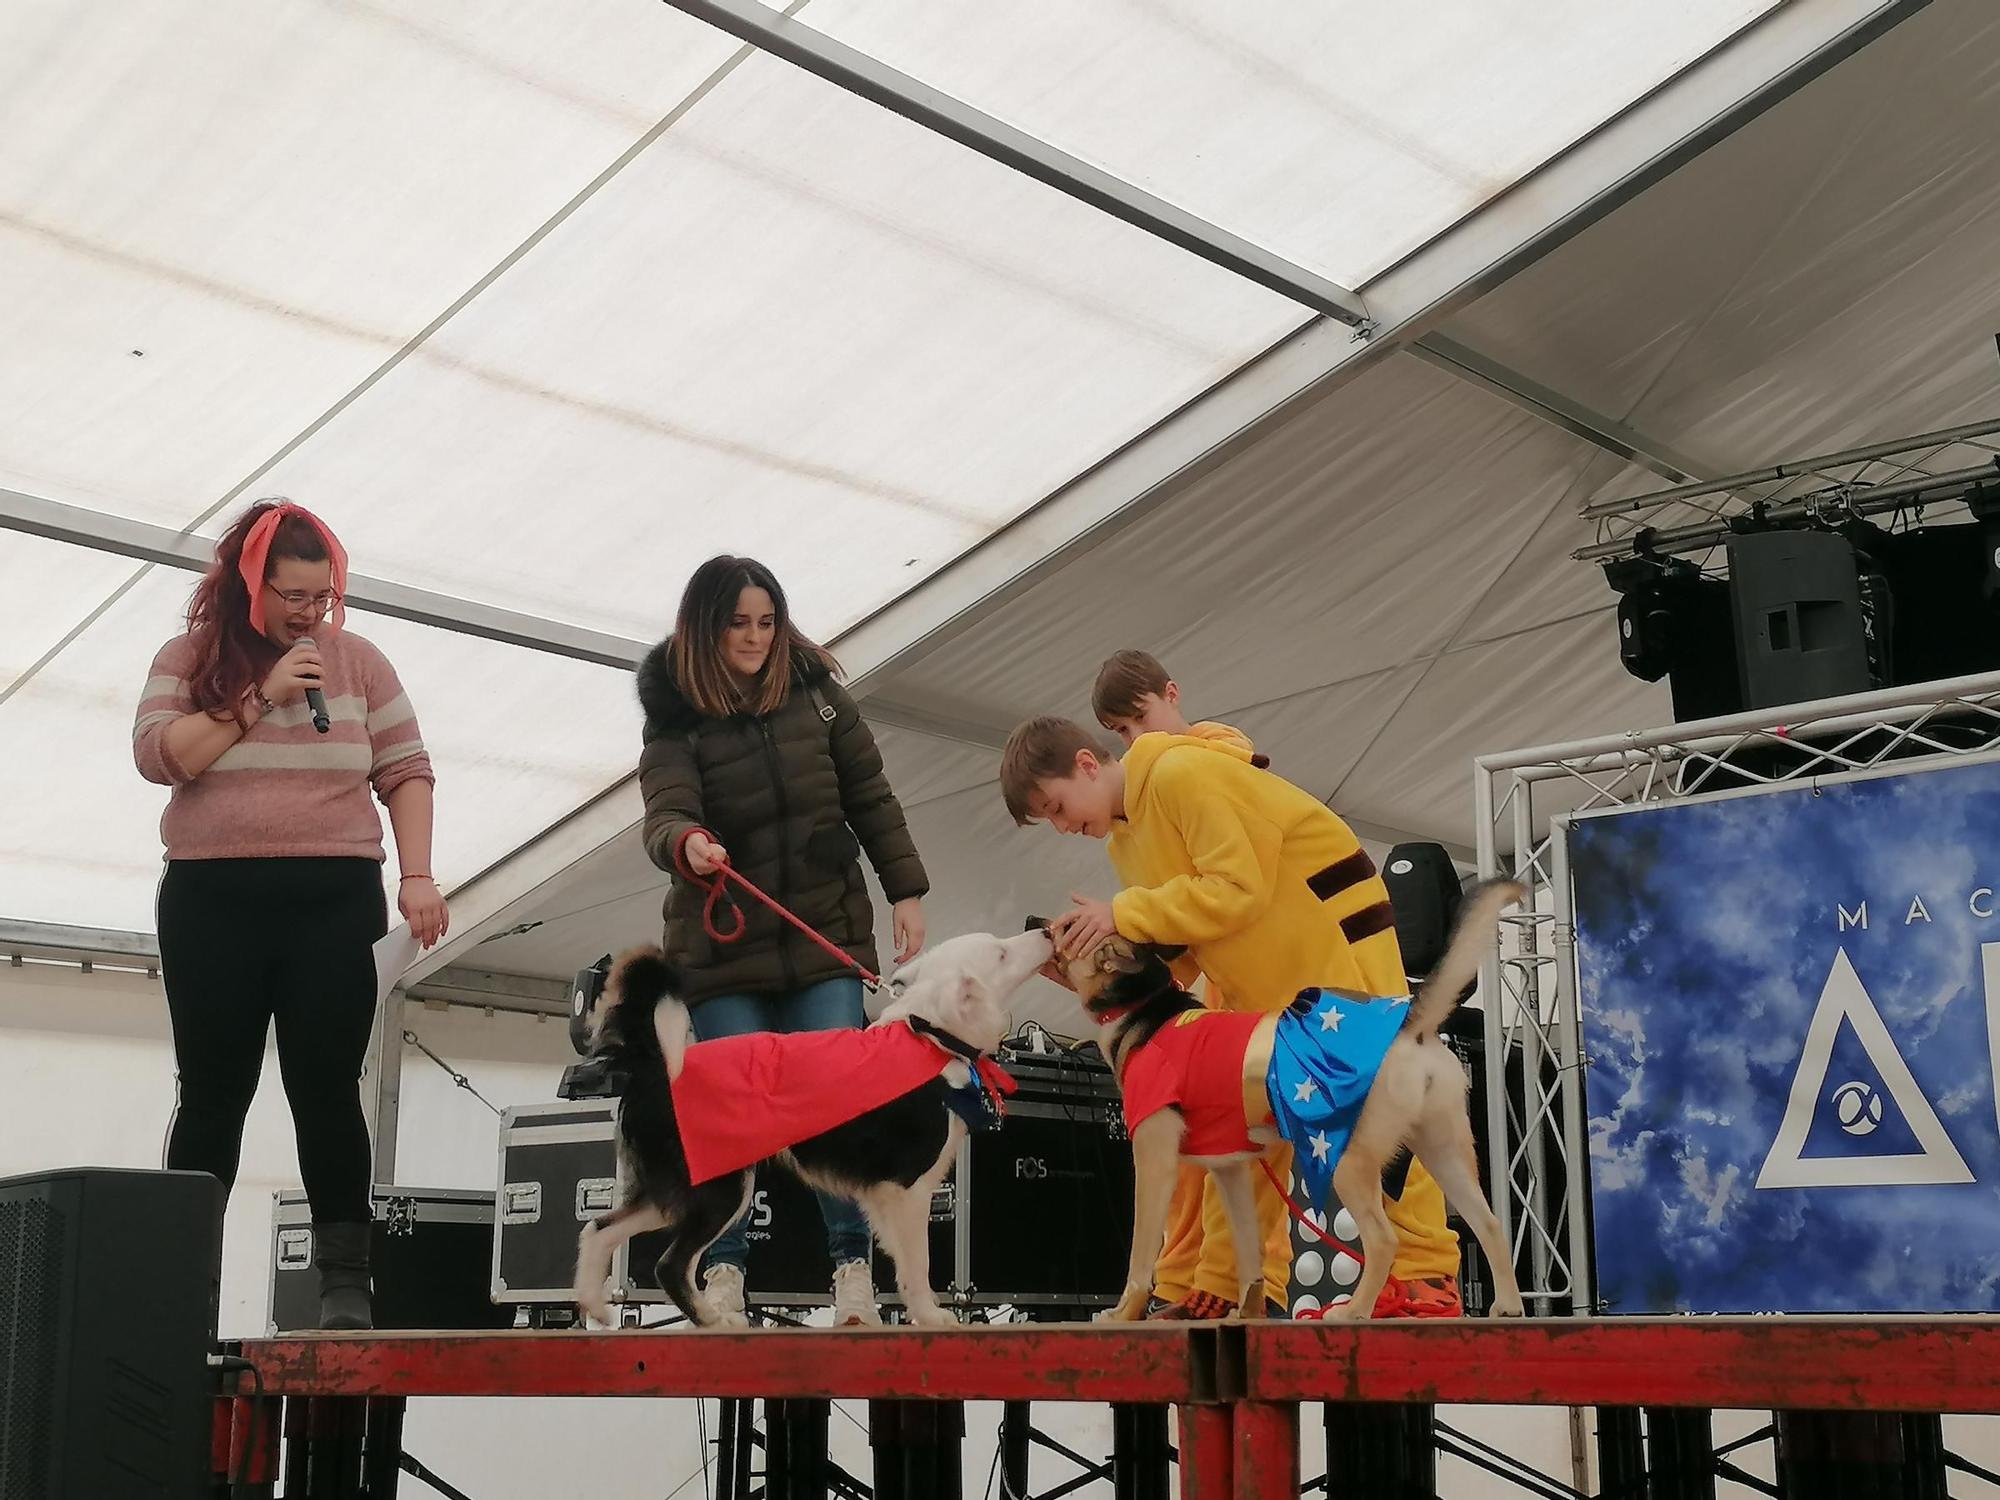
(1043, 749)
(1122, 681)
(707, 606)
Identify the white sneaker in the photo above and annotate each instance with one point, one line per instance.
(854, 1296)
(722, 1297)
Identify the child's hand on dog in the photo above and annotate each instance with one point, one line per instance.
(1079, 931)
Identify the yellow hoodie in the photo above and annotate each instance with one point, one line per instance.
(1267, 887)
(1216, 733)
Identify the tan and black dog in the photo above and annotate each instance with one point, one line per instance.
(1198, 1087)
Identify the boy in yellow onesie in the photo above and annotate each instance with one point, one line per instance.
(1133, 695)
(1269, 891)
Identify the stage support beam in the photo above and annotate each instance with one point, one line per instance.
(1860, 1455)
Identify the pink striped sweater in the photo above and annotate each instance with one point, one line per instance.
(284, 789)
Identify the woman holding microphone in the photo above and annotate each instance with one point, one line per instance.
(272, 897)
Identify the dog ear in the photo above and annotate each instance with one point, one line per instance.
(1166, 953)
(1116, 956)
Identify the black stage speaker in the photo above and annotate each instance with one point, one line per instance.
(1807, 622)
(108, 1289)
(1050, 1191)
(1944, 580)
(1424, 894)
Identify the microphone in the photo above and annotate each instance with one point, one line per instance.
(315, 699)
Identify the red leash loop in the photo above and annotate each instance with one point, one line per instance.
(717, 886)
(718, 895)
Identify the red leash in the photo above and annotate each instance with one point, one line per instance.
(717, 887)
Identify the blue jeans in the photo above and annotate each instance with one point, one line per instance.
(830, 1005)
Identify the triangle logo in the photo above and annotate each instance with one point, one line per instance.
(1936, 1159)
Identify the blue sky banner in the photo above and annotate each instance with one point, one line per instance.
(1791, 1002)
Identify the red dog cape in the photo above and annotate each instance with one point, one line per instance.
(743, 1099)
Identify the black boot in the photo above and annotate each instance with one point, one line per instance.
(340, 1251)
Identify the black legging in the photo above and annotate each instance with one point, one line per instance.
(243, 941)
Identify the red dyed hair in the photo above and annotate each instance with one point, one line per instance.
(230, 654)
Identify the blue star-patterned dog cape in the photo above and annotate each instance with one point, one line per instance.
(1329, 1046)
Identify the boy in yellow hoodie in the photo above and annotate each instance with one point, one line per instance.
(1196, 1273)
(1270, 892)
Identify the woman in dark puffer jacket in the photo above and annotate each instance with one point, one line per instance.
(755, 755)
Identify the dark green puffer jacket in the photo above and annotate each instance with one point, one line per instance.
(794, 799)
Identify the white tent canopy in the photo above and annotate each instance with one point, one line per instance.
(541, 311)
(1380, 587)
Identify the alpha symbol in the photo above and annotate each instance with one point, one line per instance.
(1858, 1107)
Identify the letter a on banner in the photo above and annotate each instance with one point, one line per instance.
(1938, 1160)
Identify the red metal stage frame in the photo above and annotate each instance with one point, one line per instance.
(1014, 1362)
(1238, 1387)
(1754, 1364)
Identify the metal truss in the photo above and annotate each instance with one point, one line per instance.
(1526, 800)
(1898, 478)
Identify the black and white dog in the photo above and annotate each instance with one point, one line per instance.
(889, 1158)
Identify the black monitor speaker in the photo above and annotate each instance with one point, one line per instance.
(1810, 618)
(108, 1291)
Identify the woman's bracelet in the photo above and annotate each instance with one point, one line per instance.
(415, 877)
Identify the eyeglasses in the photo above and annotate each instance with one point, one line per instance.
(323, 601)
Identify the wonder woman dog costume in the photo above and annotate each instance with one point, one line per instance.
(1328, 1047)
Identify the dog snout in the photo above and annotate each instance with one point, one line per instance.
(1036, 924)
(1036, 946)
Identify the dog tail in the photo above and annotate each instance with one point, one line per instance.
(641, 987)
(1458, 970)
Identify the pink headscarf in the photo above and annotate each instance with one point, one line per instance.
(257, 553)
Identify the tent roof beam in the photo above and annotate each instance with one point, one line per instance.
(868, 78)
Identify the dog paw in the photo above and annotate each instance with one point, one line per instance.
(933, 1317)
(1507, 1307)
(596, 1312)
